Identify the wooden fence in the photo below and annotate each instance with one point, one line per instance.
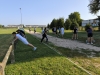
(10, 53)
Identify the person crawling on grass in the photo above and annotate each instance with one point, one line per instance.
(23, 39)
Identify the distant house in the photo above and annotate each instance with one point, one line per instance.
(35, 26)
(15, 26)
(93, 22)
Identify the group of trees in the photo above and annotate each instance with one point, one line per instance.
(94, 8)
(1, 26)
(74, 18)
(72, 21)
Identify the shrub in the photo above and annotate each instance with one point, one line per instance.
(87, 26)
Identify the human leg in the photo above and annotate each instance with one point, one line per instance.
(74, 36)
(42, 38)
(91, 39)
(46, 38)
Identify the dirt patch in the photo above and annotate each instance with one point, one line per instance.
(66, 43)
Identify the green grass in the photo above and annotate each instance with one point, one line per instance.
(5, 39)
(43, 61)
(84, 58)
(87, 59)
(82, 36)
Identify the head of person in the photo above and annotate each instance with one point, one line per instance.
(91, 27)
(14, 33)
(18, 31)
(45, 28)
(75, 27)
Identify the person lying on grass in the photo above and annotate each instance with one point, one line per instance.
(23, 39)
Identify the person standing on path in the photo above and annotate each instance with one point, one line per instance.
(34, 29)
(23, 39)
(75, 36)
(44, 35)
(29, 29)
(90, 35)
(62, 31)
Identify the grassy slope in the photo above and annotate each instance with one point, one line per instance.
(81, 56)
(5, 39)
(44, 61)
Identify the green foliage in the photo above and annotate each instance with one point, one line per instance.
(53, 23)
(94, 6)
(75, 16)
(1, 26)
(87, 26)
(99, 26)
(60, 22)
(67, 24)
(48, 26)
(74, 24)
(57, 23)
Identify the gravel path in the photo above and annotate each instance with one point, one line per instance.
(72, 44)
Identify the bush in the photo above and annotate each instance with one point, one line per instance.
(87, 26)
(75, 24)
(99, 26)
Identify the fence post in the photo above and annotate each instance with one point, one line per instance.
(1, 70)
(12, 54)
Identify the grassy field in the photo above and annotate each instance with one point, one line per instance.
(87, 59)
(43, 61)
(5, 39)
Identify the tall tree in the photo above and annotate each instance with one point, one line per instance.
(53, 23)
(75, 16)
(94, 6)
(60, 22)
(68, 24)
(74, 24)
(48, 26)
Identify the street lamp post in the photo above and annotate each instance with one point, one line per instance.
(21, 16)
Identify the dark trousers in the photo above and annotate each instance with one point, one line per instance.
(44, 36)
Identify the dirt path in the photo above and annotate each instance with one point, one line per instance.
(72, 44)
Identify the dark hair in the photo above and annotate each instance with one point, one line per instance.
(13, 32)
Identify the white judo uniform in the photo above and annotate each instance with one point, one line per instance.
(22, 39)
(62, 31)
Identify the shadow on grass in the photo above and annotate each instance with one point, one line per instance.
(76, 52)
(5, 40)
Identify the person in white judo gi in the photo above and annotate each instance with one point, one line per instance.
(22, 39)
(62, 31)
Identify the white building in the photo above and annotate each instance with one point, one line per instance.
(93, 22)
(35, 26)
(14, 26)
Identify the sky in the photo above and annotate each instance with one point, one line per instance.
(41, 12)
